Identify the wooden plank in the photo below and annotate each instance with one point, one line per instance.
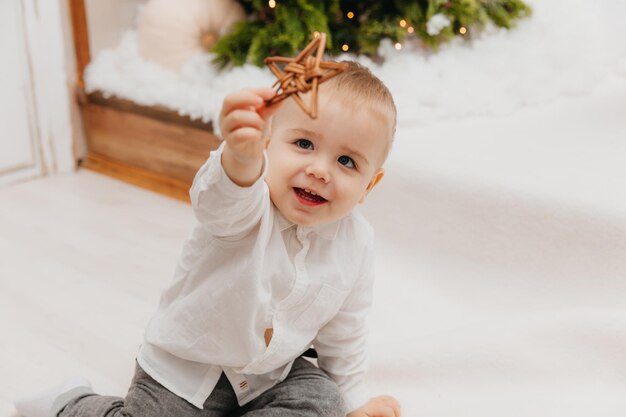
(157, 112)
(137, 176)
(168, 149)
(149, 146)
(81, 38)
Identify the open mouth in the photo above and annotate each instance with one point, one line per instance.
(308, 197)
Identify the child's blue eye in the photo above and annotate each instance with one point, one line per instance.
(346, 161)
(304, 144)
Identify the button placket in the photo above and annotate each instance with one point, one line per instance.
(303, 238)
(302, 280)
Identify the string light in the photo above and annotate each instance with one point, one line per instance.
(398, 46)
(272, 4)
(410, 29)
(403, 23)
(350, 15)
(462, 30)
(345, 47)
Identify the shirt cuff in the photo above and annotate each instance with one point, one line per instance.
(217, 176)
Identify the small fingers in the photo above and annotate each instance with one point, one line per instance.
(264, 92)
(391, 405)
(246, 99)
(241, 118)
(380, 410)
(267, 111)
(395, 405)
(388, 412)
(245, 136)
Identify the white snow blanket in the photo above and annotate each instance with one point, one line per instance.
(502, 221)
(563, 49)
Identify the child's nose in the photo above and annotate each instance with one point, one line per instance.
(319, 170)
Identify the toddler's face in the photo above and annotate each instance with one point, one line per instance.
(319, 169)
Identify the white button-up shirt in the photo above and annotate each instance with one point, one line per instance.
(246, 269)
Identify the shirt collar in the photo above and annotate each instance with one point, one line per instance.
(326, 230)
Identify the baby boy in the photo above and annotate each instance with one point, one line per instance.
(280, 260)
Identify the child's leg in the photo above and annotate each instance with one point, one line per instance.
(306, 392)
(148, 398)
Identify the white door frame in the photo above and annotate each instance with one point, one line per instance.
(51, 80)
(20, 170)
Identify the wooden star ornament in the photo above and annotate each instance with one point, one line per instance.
(303, 73)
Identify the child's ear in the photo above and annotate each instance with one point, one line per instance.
(375, 180)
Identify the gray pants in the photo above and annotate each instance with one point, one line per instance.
(307, 392)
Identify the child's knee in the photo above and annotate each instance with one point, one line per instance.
(329, 398)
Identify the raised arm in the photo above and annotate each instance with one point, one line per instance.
(228, 195)
(242, 122)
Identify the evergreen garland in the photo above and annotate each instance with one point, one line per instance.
(284, 27)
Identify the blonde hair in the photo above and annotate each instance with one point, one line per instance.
(358, 85)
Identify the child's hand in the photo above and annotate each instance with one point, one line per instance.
(242, 121)
(383, 406)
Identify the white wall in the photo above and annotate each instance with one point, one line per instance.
(107, 20)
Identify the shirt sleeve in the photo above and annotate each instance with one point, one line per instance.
(222, 206)
(342, 343)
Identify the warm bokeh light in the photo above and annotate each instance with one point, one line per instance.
(410, 29)
(398, 45)
(272, 3)
(350, 15)
(345, 47)
(462, 30)
(403, 23)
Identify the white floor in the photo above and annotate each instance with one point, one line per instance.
(82, 260)
(501, 268)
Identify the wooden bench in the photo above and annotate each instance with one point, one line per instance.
(149, 146)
